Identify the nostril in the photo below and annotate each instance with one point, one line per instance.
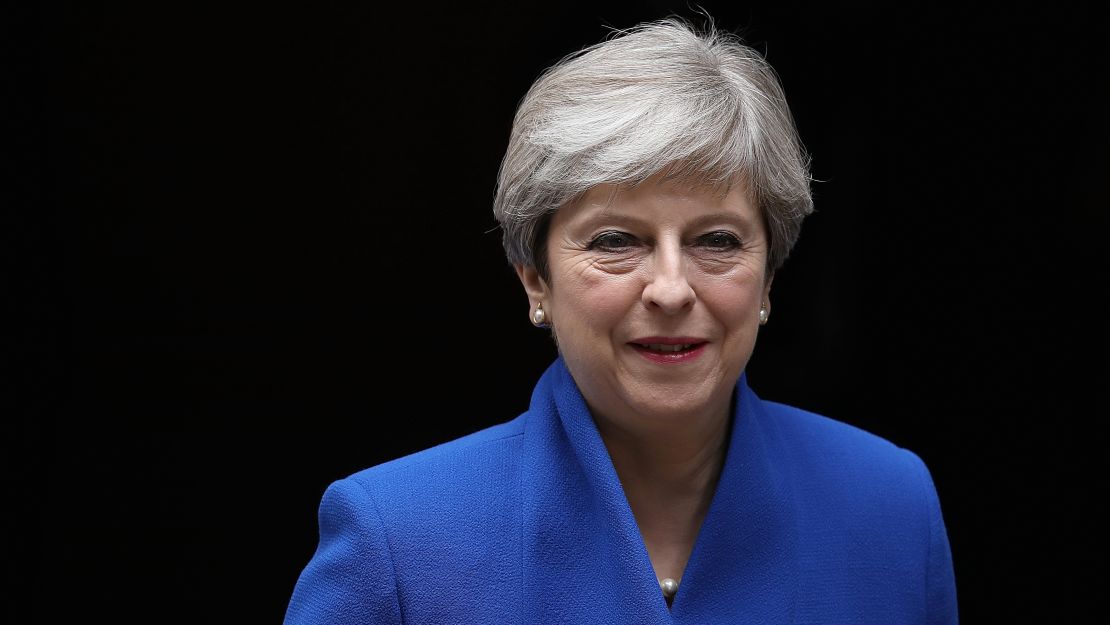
(669, 294)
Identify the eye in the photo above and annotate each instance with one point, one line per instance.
(719, 240)
(613, 241)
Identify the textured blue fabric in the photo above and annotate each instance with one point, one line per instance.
(813, 521)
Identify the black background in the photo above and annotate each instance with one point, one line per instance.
(252, 251)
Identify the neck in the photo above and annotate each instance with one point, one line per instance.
(669, 479)
(676, 465)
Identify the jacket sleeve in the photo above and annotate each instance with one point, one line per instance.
(940, 580)
(350, 580)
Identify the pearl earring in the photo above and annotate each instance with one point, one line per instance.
(539, 317)
(763, 314)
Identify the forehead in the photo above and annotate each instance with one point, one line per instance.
(661, 199)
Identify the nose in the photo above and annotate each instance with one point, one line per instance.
(668, 287)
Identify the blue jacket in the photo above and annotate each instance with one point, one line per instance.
(813, 521)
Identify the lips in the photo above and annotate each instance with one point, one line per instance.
(667, 341)
(669, 349)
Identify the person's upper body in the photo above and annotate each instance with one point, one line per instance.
(814, 521)
(652, 186)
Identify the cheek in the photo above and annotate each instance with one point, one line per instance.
(596, 303)
(735, 302)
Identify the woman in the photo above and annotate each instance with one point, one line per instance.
(652, 186)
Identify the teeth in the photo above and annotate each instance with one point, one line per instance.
(656, 347)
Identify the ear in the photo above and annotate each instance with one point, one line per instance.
(534, 285)
(767, 292)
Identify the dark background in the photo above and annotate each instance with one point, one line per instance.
(252, 252)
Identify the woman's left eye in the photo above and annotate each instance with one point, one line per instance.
(719, 240)
(612, 241)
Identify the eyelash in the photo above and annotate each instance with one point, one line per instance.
(599, 240)
(732, 242)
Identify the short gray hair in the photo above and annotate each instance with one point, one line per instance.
(701, 106)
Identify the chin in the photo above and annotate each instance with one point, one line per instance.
(671, 403)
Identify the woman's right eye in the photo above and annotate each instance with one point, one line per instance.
(612, 241)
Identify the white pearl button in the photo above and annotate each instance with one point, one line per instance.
(669, 587)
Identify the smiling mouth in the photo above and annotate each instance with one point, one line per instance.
(670, 353)
(669, 349)
(666, 349)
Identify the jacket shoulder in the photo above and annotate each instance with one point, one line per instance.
(390, 533)
(839, 462)
(458, 457)
(835, 442)
(870, 506)
(465, 486)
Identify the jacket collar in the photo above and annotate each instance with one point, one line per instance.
(583, 558)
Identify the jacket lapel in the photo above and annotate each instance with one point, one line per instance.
(584, 560)
(744, 565)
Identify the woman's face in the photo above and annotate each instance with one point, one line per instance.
(637, 273)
